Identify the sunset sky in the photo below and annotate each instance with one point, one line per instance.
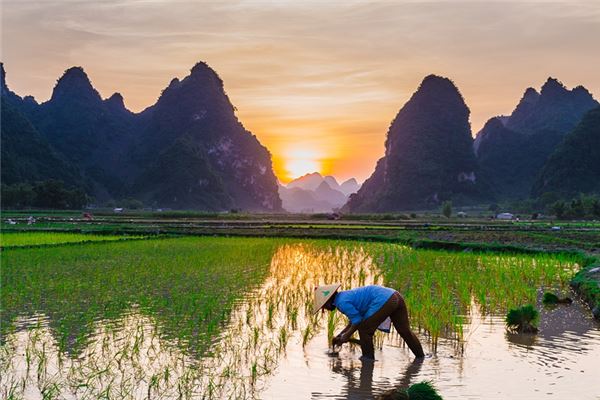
(317, 82)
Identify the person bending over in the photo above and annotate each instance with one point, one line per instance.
(366, 308)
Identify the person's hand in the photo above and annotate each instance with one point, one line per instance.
(336, 341)
(339, 340)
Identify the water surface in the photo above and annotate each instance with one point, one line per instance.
(271, 347)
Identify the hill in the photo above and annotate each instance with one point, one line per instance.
(428, 155)
(574, 167)
(512, 150)
(187, 151)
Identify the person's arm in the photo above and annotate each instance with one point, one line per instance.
(347, 333)
(355, 318)
(344, 335)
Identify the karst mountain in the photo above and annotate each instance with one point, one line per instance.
(187, 151)
(429, 155)
(512, 150)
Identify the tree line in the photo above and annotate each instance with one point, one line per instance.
(49, 194)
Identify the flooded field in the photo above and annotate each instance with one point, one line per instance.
(230, 318)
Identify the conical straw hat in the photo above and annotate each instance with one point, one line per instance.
(322, 294)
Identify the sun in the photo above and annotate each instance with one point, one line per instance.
(299, 167)
(300, 162)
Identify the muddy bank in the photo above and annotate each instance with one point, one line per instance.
(587, 283)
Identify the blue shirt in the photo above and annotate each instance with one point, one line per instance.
(360, 303)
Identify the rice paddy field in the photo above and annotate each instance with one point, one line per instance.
(25, 239)
(200, 317)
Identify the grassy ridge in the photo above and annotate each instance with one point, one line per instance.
(587, 283)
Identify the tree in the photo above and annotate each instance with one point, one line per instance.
(132, 204)
(596, 208)
(559, 209)
(577, 209)
(447, 209)
(20, 195)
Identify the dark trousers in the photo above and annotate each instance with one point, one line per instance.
(395, 308)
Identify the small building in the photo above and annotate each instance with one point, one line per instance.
(461, 214)
(118, 210)
(505, 216)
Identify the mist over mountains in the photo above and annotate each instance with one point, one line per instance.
(189, 150)
(316, 193)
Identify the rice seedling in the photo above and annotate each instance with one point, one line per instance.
(306, 335)
(419, 391)
(332, 322)
(283, 337)
(21, 239)
(550, 299)
(211, 317)
(523, 319)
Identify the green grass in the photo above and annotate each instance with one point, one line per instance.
(21, 239)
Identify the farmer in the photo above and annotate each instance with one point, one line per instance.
(367, 307)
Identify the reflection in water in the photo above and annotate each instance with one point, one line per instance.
(558, 364)
(273, 348)
(364, 387)
(128, 357)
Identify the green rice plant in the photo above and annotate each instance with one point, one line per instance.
(438, 286)
(23, 239)
(270, 314)
(419, 391)
(306, 335)
(216, 307)
(253, 372)
(283, 337)
(180, 281)
(332, 322)
(293, 316)
(523, 319)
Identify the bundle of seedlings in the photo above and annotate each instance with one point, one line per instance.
(419, 391)
(523, 319)
(550, 299)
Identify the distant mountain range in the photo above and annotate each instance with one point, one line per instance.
(186, 151)
(189, 150)
(316, 193)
